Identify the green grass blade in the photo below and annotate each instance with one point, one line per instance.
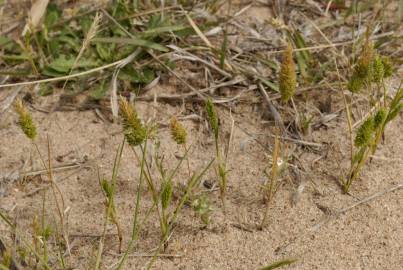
(279, 264)
(133, 41)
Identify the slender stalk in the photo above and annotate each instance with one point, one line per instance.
(271, 189)
(136, 209)
(348, 115)
(110, 207)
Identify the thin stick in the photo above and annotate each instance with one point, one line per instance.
(276, 115)
(370, 198)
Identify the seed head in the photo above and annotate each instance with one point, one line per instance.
(288, 78)
(166, 194)
(379, 117)
(364, 133)
(364, 66)
(25, 120)
(178, 132)
(387, 67)
(134, 130)
(212, 117)
(355, 84)
(379, 72)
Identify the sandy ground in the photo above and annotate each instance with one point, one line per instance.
(309, 229)
(368, 236)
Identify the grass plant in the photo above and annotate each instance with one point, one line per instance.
(368, 78)
(221, 160)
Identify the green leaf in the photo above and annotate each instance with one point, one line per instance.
(85, 23)
(279, 264)
(45, 90)
(105, 51)
(269, 84)
(15, 57)
(53, 14)
(154, 22)
(4, 41)
(394, 112)
(73, 43)
(142, 76)
(133, 41)
(162, 29)
(64, 65)
(303, 57)
(300, 43)
(99, 91)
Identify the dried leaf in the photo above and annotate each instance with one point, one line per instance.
(35, 15)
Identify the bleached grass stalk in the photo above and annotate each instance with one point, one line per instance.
(348, 114)
(272, 184)
(92, 32)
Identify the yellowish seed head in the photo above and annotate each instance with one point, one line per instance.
(25, 120)
(288, 77)
(178, 132)
(134, 130)
(364, 66)
(212, 117)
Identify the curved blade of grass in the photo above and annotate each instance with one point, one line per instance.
(133, 41)
(279, 264)
(163, 29)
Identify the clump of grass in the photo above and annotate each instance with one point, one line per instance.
(370, 72)
(109, 191)
(221, 168)
(288, 77)
(41, 230)
(161, 186)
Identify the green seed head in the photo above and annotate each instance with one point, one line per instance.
(212, 117)
(387, 67)
(25, 120)
(178, 132)
(166, 194)
(379, 118)
(378, 69)
(355, 84)
(288, 77)
(364, 133)
(134, 130)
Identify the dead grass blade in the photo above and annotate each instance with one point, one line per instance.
(38, 10)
